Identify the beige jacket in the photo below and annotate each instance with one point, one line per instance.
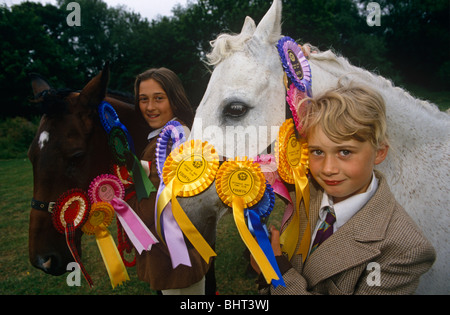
(381, 233)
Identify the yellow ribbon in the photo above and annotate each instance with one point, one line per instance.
(240, 184)
(189, 170)
(100, 217)
(292, 159)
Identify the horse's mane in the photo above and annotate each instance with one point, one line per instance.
(225, 45)
(342, 68)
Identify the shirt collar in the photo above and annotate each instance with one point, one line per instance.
(156, 132)
(346, 209)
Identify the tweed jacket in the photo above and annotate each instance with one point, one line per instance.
(155, 266)
(381, 233)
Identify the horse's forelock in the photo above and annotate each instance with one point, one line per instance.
(54, 102)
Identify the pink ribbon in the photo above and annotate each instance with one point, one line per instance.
(269, 168)
(137, 231)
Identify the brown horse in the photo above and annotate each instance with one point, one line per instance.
(69, 150)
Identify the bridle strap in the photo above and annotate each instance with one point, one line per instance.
(42, 206)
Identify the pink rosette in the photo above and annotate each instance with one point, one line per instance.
(294, 97)
(105, 188)
(109, 188)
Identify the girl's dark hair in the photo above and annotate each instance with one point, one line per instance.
(174, 89)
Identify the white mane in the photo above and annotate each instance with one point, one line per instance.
(225, 45)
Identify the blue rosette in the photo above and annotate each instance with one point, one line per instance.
(256, 217)
(108, 116)
(295, 64)
(109, 119)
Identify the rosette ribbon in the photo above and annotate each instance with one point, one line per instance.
(292, 159)
(171, 136)
(189, 170)
(118, 141)
(108, 188)
(255, 216)
(270, 170)
(69, 215)
(100, 217)
(240, 184)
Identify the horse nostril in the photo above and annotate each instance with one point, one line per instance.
(49, 264)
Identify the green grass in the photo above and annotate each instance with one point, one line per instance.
(17, 276)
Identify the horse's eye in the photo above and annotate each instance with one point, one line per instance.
(236, 110)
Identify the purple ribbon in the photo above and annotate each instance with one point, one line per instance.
(173, 236)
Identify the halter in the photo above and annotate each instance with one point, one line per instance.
(42, 206)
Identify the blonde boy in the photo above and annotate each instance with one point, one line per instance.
(363, 241)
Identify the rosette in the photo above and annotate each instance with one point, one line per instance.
(122, 173)
(294, 97)
(110, 120)
(100, 217)
(108, 188)
(171, 136)
(189, 170)
(108, 116)
(292, 159)
(70, 213)
(118, 141)
(240, 185)
(256, 216)
(295, 64)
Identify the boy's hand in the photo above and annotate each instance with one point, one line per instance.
(276, 247)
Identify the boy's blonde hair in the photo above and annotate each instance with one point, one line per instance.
(345, 113)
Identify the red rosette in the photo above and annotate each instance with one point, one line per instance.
(105, 188)
(122, 173)
(71, 208)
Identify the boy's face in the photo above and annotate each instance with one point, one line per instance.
(342, 169)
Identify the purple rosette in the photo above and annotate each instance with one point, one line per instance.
(295, 64)
(170, 137)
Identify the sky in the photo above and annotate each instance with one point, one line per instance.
(146, 8)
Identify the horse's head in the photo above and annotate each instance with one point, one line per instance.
(245, 97)
(67, 152)
(243, 106)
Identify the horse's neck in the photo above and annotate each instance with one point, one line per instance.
(408, 117)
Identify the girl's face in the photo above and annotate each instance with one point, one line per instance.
(342, 169)
(154, 104)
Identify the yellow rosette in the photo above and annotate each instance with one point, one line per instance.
(241, 184)
(292, 158)
(100, 217)
(189, 170)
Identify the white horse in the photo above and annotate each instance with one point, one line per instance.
(244, 105)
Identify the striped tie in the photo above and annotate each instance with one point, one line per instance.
(325, 229)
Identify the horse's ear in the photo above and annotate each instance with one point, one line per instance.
(39, 84)
(249, 26)
(94, 92)
(269, 29)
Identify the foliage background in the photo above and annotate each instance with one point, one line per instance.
(412, 45)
